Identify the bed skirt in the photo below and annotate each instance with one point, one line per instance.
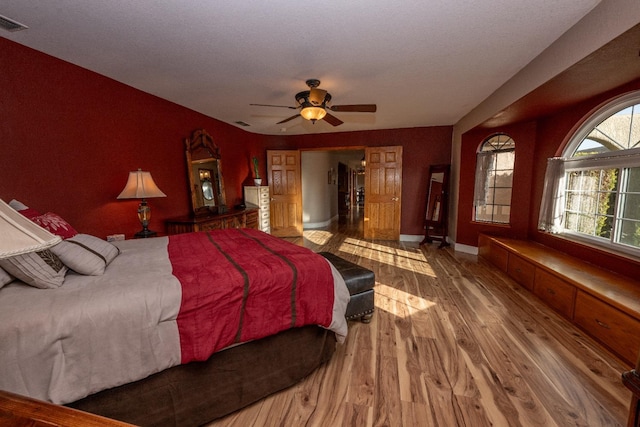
(199, 392)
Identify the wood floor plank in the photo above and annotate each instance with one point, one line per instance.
(387, 410)
(417, 414)
(363, 367)
(453, 342)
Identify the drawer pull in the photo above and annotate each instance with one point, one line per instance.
(604, 325)
(551, 291)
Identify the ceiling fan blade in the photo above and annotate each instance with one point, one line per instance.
(270, 105)
(355, 108)
(290, 118)
(332, 120)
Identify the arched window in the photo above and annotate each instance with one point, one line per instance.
(592, 192)
(494, 179)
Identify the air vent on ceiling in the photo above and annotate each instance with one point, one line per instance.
(11, 25)
(241, 123)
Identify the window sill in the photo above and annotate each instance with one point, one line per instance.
(630, 255)
(491, 224)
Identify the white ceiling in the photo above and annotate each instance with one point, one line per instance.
(423, 62)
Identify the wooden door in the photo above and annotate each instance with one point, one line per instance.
(343, 189)
(286, 192)
(383, 184)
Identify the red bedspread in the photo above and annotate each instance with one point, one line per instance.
(240, 285)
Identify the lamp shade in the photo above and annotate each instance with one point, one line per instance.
(21, 235)
(140, 185)
(313, 113)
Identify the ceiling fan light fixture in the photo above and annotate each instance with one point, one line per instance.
(318, 96)
(315, 102)
(312, 113)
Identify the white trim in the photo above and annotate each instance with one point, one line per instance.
(411, 237)
(609, 109)
(615, 159)
(601, 243)
(314, 225)
(467, 249)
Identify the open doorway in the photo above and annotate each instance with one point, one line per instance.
(331, 181)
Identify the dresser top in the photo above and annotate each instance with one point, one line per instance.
(191, 219)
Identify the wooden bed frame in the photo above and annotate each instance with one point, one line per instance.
(199, 392)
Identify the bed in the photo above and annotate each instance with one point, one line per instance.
(176, 330)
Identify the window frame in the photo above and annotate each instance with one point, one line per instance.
(603, 113)
(618, 159)
(482, 181)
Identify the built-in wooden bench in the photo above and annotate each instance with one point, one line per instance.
(604, 304)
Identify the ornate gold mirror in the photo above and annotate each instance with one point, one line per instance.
(436, 213)
(204, 170)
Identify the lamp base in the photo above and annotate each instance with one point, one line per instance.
(144, 233)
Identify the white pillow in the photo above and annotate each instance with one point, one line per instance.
(42, 269)
(19, 206)
(86, 254)
(5, 278)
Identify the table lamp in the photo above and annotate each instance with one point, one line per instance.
(140, 185)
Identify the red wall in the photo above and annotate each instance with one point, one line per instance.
(70, 136)
(535, 143)
(467, 230)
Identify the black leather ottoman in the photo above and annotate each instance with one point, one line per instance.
(360, 282)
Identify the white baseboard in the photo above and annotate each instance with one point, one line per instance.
(458, 247)
(411, 238)
(312, 225)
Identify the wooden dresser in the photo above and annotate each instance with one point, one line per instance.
(235, 218)
(604, 304)
(258, 197)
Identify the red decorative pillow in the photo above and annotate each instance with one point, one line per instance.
(55, 224)
(30, 213)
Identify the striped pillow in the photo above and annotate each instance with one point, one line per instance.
(5, 278)
(86, 254)
(42, 269)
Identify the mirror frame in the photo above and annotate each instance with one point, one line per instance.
(202, 153)
(437, 199)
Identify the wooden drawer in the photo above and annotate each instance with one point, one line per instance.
(252, 219)
(521, 271)
(615, 329)
(263, 194)
(496, 255)
(211, 225)
(555, 292)
(235, 222)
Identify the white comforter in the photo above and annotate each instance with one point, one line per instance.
(98, 332)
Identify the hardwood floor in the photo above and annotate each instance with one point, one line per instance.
(453, 342)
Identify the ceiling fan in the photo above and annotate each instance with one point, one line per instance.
(314, 103)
